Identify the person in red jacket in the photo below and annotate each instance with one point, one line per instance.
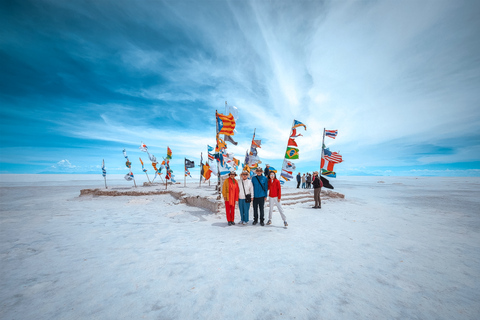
(275, 194)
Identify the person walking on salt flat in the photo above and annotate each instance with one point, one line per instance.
(245, 197)
(260, 188)
(303, 181)
(299, 179)
(317, 187)
(230, 193)
(275, 194)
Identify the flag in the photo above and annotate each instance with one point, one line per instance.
(128, 164)
(272, 169)
(230, 139)
(210, 149)
(292, 153)
(104, 172)
(124, 153)
(289, 165)
(226, 124)
(329, 173)
(220, 145)
(334, 157)
(154, 165)
(327, 152)
(129, 176)
(236, 161)
(211, 157)
(330, 166)
(169, 153)
(294, 134)
(189, 164)
(143, 168)
(331, 133)
(256, 143)
(206, 172)
(292, 143)
(187, 173)
(297, 124)
(143, 147)
(326, 183)
(287, 175)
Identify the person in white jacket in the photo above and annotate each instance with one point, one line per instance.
(245, 196)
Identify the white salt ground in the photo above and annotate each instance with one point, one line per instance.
(406, 248)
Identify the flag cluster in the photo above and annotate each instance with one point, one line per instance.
(292, 152)
(331, 157)
(129, 176)
(252, 159)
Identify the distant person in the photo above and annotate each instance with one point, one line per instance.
(260, 189)
(309, 180)
(230, 193)
(317, 187)
(245, 196)
(267, 170)
(303, 181)
(275, 194)
(299, 179)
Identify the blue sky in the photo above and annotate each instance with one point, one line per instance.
(80, 81)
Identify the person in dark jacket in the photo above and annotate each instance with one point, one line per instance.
(267, 170)
(317, 187)
(299, 179)
(309, 180)
(260, 189)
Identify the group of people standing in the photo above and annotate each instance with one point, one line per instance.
(255, 190)
(306, 180)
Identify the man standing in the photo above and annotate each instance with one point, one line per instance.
(267, 170)
(299, 178)
(260, 188)
(317, 187)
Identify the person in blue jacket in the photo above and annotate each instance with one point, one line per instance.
(260, 189)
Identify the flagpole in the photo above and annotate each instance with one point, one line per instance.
(185, 173)
(321, 156)
(218, 166)
(201, 168)
(105, 175)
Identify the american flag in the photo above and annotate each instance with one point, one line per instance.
(331, 133)
(335, 158)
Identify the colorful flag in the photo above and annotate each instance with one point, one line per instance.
(287, 175)
(189, 164)
(331, 133)
(128, 164)
(330, 166)
(129, 176)
(211, 157)
(210, 149)
(226, 124)
(187, 173)
(297, 124)
(329, 173)
(292, 143)
(294, 134)
(334, 157)
(169, 153)
(289, 165)
(256, 143)
(143, 168)
(220, 145)
(272, 169)
(104, 172)
(206, 172)
(143, 147)
(292, 153)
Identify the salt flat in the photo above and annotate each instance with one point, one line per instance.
(395, 247)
